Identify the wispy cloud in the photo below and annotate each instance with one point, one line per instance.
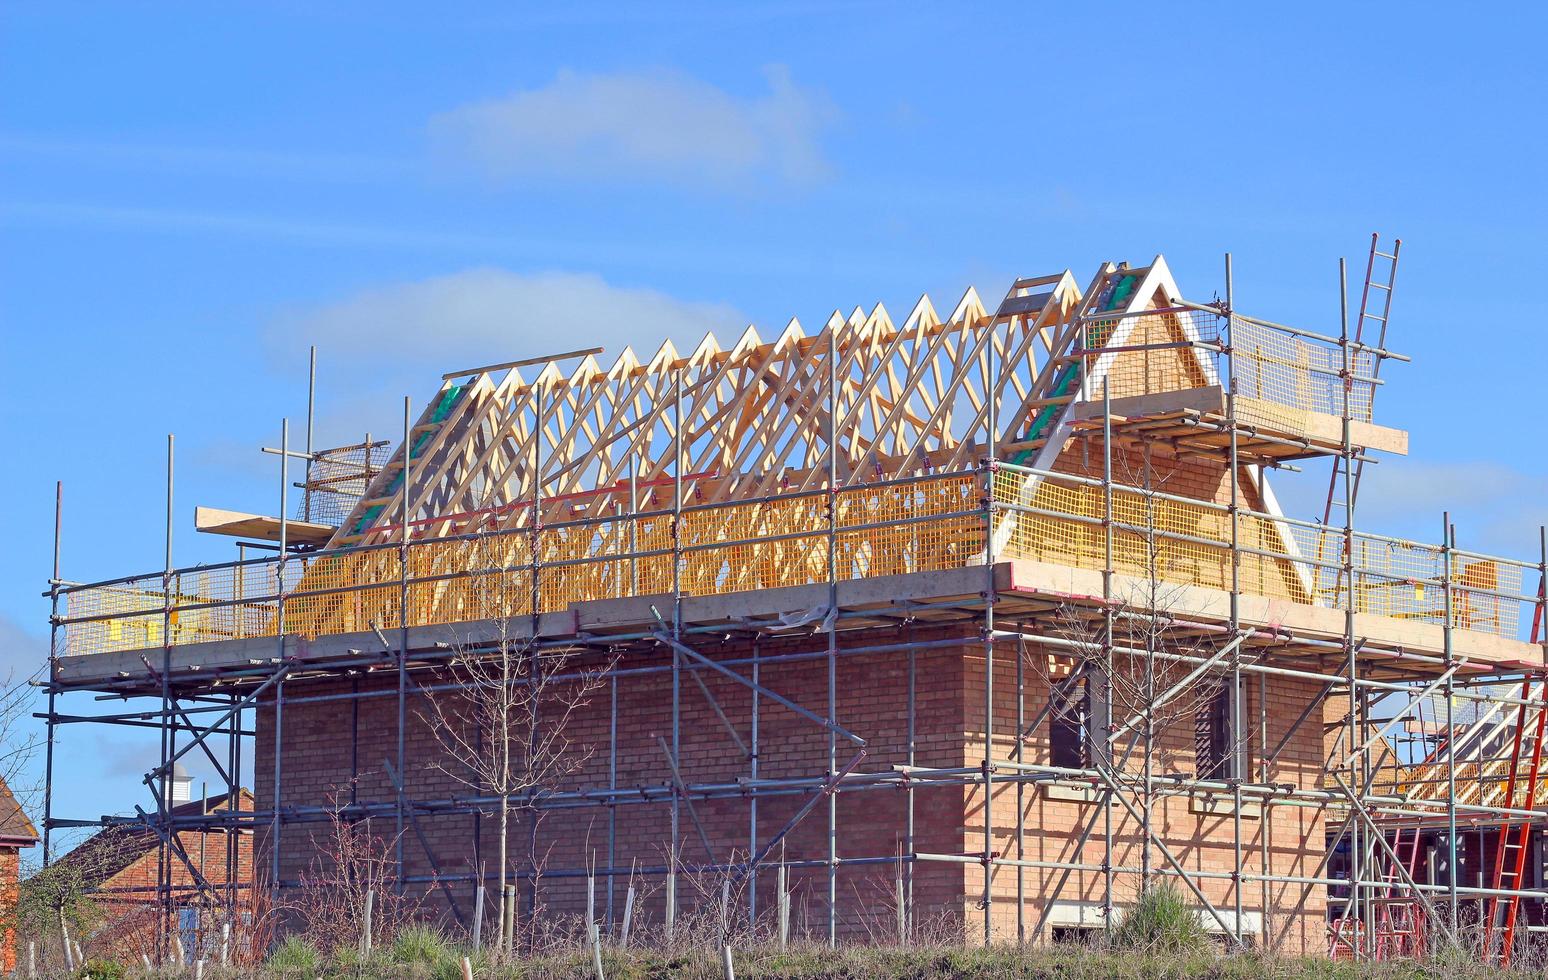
(23, 658)
(124, 760)
(246, 225)
(248, 163)
(400, 338)
(1496, 508)
(23, 654)
(488, 314)
(660, 125)
(565, 245)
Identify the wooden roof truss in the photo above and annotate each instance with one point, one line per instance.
(910, 398)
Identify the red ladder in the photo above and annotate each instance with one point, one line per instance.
(1399, 925)
(1500, 918)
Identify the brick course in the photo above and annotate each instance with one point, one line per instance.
(871, 701)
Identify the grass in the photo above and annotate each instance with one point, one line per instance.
(293, 955)
(1160, 921)
(1160, 939)
(420, 944)
(428, 955)
(98, 969)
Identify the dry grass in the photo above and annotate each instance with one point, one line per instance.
(847, 963)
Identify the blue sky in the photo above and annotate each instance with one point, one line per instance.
(191, 194)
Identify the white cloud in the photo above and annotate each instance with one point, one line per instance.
(653, 125)
(253, 225)
(1496, 508)
(399, 339)
(485, 315)
(226, 161)
(23, 654)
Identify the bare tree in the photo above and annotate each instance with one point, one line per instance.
(349, 862)
(56, 897)
(19, 738)
(61, 902)
(502, 706)
(1145, 673)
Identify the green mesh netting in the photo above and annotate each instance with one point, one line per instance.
(443, 407)
(366, 519)
(1071, 373)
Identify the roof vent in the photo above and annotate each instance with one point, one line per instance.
(181, 785)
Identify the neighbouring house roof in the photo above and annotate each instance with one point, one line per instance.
(109, 851)
(15, 827)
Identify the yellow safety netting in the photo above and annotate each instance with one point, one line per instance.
(1190, 544)
(927, 525)
(1280, 377)
(1160, 364)
(1153, 537)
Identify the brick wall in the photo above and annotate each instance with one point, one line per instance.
(136, 883)
(10, 876)
(1146, 372)
(1198, 478)
(871, 698)
(1199, 835)
(322, 761)
(128, 898)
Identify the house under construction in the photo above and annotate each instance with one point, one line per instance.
(973, 622)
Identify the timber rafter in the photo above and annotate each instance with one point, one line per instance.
(911, 398)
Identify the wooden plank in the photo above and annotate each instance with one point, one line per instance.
(1210, 400)
(236, 524)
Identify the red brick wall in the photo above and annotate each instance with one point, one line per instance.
(136, 884)
(1053, 819)
(128, 899)
(10, 876)
(1156, 470)
(871, 694)
(871, 697)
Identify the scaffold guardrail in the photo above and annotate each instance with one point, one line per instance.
(931, 522)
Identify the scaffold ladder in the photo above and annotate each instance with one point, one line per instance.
(1380, 281)
(1399, 926)
(1511, 851)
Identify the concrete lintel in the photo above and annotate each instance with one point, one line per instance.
(1067, 914)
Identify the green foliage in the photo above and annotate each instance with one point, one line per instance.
(1161, 921)
(102, 970)
(294, 954)
(346, 956)
(62, 888)
(449, 968)
(419, 944)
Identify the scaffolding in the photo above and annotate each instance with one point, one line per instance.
(945, 457)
